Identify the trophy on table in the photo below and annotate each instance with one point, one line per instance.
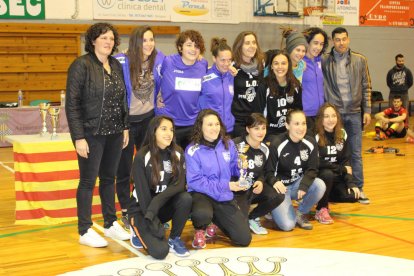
(54, 120)
(43, 108)
(244, 181)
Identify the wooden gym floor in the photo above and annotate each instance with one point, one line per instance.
(384, 227)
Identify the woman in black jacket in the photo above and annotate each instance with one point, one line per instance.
(159, 194)
(97, 114)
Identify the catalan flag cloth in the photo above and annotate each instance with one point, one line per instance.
(46, 179)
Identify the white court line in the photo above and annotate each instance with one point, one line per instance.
(121, 243)
(7, 167)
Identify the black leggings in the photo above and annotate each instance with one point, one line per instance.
(266, 201)
(178, 209)
(226, 215)
(137, 132)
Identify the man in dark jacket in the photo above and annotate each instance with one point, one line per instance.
(399, 80)
(347, 85)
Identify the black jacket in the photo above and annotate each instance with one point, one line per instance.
(85, 90)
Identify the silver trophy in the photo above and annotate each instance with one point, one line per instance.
(43, 108)
(54, 120)
(244, 181)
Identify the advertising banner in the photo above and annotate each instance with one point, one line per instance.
(22, 9)
(391, 13)
(145, 10)
(208, 11)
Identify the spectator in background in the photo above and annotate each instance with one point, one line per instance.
(399, 80)
(392, 122)
(347, 86)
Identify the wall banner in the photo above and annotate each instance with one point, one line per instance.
(22, 9)
(206, 11)
(146, 10)
(391, 13)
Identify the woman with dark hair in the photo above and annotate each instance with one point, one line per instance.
(182, 74)
(249, 62)
(312, 79)
(334, 165)
(141, 65)
(291, 170)
(159, 194)
(217, 87)
(279, 93)
(212, 174)
(254, 152)
(97, 114)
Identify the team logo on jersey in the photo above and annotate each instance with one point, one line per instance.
(304, 155)
(339, 146)
(193, 149)
(258, 160)
(281, 122)
(167, 166)
(289, 99)
(226, 156)
(250, 94)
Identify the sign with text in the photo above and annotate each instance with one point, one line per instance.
(207, 11)
(148, 10)
(22, 9)
(391, 13)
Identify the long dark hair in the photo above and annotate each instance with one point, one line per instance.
(271, 80)
(320, 130)
(135, 54)
(95, 31)
(310, 33)
(150, 140)
(197, 134)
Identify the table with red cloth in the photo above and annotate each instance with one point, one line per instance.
(26, 120)
(46, 179)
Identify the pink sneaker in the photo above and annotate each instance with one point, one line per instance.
(199, 240)
(323, 216)
(211, 230)
(410, 139)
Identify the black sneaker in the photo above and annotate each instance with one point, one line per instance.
(302, 221)
(363, 199)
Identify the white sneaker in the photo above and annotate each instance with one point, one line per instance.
(116, 232)
(92, 239)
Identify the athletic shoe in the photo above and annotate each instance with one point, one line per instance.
(125, 221)
(268, 216)
(323, 216)
(116, 232)
(92, 239)
(256, 227)
(177, 246)
(199, 240)
(211, 230)
(134, 240)
(363, 199)
(302, 221)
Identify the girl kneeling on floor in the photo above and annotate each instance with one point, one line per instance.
(159, 195)
(211, 160)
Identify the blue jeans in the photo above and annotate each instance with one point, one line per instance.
(284, 215)
(353, 126)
